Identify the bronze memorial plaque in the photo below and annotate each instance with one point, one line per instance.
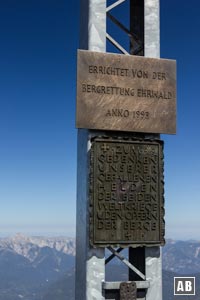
(126, 193)
(126, 93)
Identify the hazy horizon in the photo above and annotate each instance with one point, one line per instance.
(61, 234)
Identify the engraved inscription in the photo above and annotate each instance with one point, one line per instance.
(121, 113)
(126, 85)
(109, 70)
(116, 90)
(127, 192)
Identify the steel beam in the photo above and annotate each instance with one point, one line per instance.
(90, 262)
(153, 255)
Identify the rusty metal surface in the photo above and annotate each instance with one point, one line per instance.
(126, 193)
(126, 93)
(128, 291)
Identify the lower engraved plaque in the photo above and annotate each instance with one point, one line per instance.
(126, 193)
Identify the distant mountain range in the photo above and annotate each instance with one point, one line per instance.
(42, 268)
(29, 265)
(181, 257)
(23, 245)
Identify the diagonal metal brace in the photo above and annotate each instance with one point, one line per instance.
(135, 41)
(129, 33)
(114, 5)
(127, 263)
(116, 44)
(112, 256)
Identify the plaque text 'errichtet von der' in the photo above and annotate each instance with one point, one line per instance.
(126, 93)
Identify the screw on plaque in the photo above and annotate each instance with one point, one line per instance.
(128, 291)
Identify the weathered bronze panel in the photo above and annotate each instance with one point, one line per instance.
(126, 193)
(128, 291)
(126, 93)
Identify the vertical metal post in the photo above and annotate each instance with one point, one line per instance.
(137, 24)
(137, 255)
(145, 23)
(152, 28)
(152, 49)
(90, 262)
(154, 273)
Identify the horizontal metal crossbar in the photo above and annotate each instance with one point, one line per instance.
(127, 263)
(115, 285)
(114, 5)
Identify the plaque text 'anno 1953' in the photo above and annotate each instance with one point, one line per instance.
(126, 93)
(126, 193)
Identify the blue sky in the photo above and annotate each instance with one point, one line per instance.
(38, 41)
